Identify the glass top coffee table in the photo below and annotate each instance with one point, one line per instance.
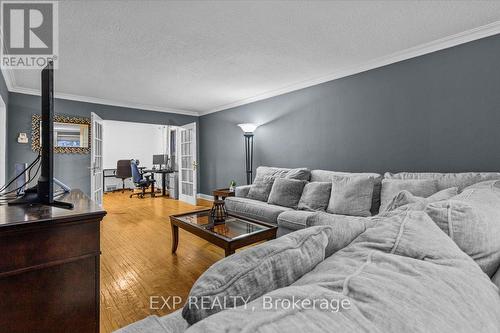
(234, 233)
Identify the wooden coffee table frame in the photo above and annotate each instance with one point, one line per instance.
(229, 245)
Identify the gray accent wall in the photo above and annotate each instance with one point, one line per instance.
(72, 169)
(437, 112)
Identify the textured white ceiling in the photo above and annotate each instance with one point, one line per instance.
(204, 55)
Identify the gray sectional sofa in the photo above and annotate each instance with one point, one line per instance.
(286, 218)
(429, 261)
(290, 219)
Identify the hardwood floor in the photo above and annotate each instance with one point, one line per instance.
(136, 262)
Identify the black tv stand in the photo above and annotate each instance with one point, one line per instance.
(31, 197)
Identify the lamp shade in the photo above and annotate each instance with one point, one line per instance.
(248, 127)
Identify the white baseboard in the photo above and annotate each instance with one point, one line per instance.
(205, 197)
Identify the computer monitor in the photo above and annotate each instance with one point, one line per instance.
(160, 159)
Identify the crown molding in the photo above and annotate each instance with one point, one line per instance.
(437, 45)
(103, 101)
(416, 51)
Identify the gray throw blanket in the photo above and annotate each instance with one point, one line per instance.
(401, 275)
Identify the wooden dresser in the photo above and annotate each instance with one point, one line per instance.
(49, 267)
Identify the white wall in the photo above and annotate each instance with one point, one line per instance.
(127, 140)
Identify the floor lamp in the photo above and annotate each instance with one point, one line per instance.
(248, 130)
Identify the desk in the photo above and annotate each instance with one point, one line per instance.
(49, 267)
(111, 173)
(164, 173)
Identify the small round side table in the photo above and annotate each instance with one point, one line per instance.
(222, 193)
(218, 212)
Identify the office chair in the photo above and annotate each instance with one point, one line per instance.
(123, 171)
(141, 181)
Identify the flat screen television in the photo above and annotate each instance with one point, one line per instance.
(43, 192)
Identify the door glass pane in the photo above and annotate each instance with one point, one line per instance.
(186, 172)
(186, 162)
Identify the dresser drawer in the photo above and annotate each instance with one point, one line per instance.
(58, 299)
(47, 244)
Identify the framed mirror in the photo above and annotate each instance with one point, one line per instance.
(71, 134)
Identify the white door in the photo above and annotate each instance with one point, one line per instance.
(96, 190)
(187, 163)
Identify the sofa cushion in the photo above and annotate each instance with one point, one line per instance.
(419, 187)
(326, 176)
(496, 278)
(253, 272)
(403, 274)
(465, 225)
(254, 209)
(493, 185)
(297, 173)
(342, 222)
(261, 189)
(472, 220)
(295, 219)
(151, 324)
(447, 180)
(286, 192)
(351, 195)
(315, 196)
(242, 191)
(404, 198)
(174, 322)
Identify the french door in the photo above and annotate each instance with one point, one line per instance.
(188, 166)
(96, 189)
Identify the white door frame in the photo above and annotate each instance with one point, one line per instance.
(189, 168)
(96, 160)
(3, 142)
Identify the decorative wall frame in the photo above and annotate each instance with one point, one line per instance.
(35, 134)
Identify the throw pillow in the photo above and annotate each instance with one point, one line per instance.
(286, 192)
(405, 198)
(351, 196)
(249, 274)
(472, 220)
(297, 173)
(471, 229)
(260, 189)
(419, 187)
(315, 196)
